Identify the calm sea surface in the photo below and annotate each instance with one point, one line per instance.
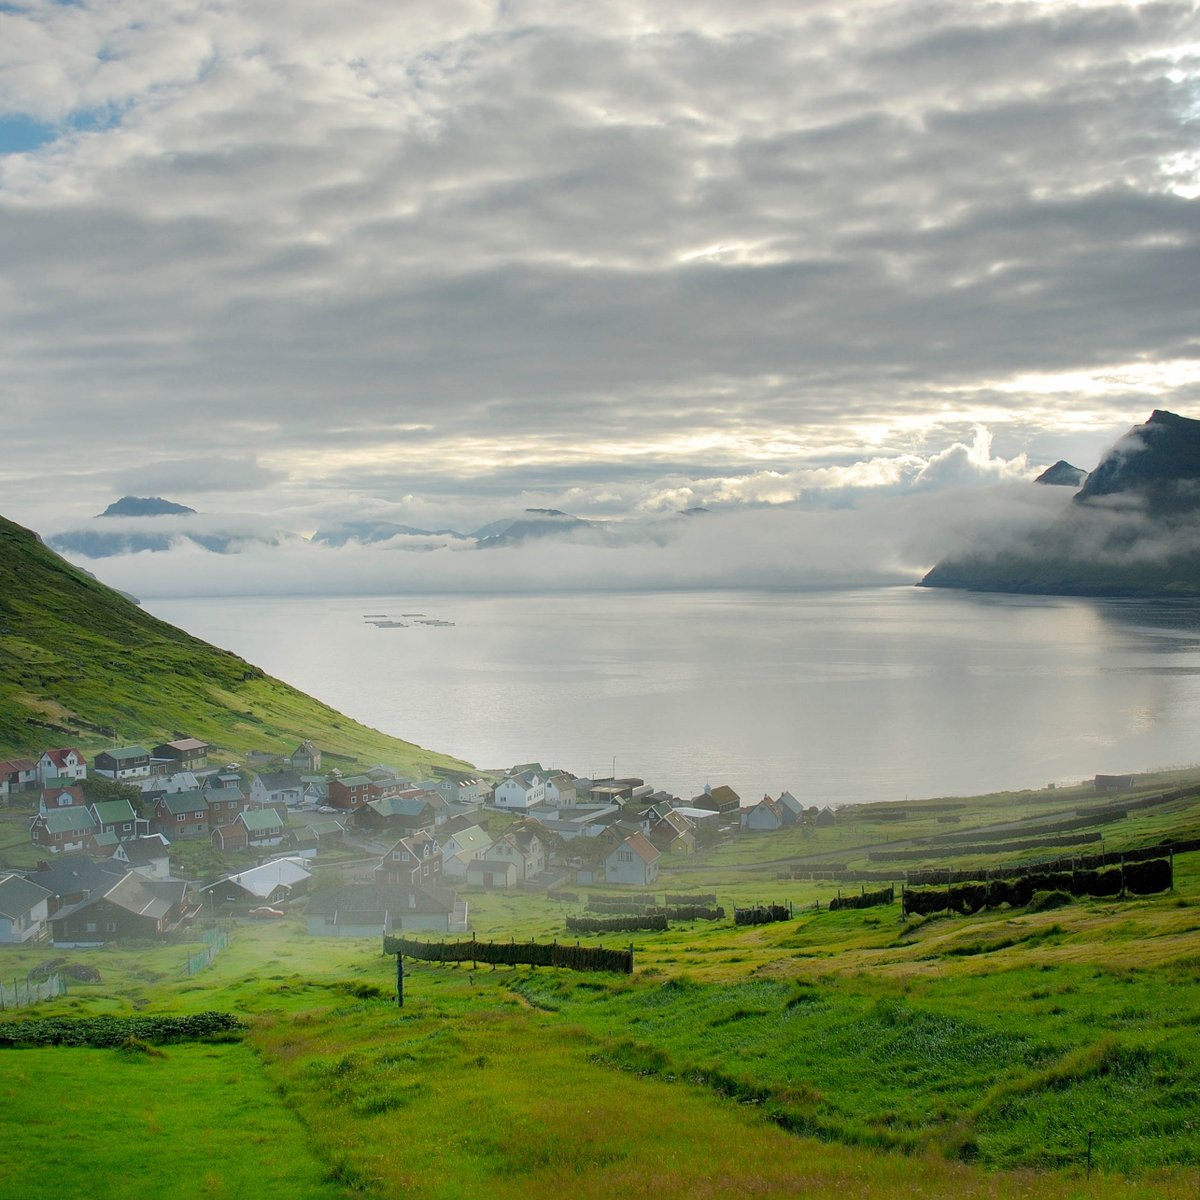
(874, 694)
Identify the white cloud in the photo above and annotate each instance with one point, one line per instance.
(590, 245)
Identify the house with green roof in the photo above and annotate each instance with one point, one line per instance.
(118, 816)
(181, 814)
(399, 814)
(254, 827)
(123, 763)
(62, 829)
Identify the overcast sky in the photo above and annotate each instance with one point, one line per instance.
(436, 262)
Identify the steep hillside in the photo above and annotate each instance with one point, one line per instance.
(79, 663)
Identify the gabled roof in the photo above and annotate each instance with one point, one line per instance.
(262, 880)
(125, 753)
(18, 896)
(74, 791)
(280, 781)
(113, 812)
(59, 757)
(400, 806)
(259, 820)
(177, 781)
(185, 745)
(11, 766)
(420, 845)
(225, 795)
(353, 781)
(675, 821)
(75, 819)
(136, 894)
(320, 829)
(140, 851)
(772, 806)
(71, 873)
(523, 779)
(640, 845)
(184, 802)
(472, 838)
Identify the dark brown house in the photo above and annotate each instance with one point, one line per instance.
(133, 907)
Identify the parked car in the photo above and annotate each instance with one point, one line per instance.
(266, 912)
(327, 808)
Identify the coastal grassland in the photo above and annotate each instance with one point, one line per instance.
(959, 1055)
(179, 1122)
(80, 664)
(853, 1052)
(907, 826)
(476, 1089)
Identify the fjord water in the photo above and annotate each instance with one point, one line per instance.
(872, 694)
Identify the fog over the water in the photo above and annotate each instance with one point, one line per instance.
(882, 539)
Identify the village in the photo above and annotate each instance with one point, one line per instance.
(139, 843)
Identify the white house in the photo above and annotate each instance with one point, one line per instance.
(67, 763)
(521, 847)
(560, 790)
(462, 848)
(766, 815)
(24, 910)
(521, 791)
(276, 787)
(17, 775)
(634, 861)
(149, 856)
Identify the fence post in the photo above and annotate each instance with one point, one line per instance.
(399, 979)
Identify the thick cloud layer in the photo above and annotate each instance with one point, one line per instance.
(447, 257)
(883, 540)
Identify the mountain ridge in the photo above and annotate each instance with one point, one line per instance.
(1133, 528)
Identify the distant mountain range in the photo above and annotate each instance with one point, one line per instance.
(1132, 529)
(161, 524)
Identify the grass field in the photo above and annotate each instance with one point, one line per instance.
(836, 1054)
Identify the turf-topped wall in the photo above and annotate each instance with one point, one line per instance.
(514, 954)
(1139, 878)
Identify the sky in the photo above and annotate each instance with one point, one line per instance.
(438, 263)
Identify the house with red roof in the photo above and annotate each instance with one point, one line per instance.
(634, 861)
(66, 763)
(17, 775)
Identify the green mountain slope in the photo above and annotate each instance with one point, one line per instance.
(79, 663)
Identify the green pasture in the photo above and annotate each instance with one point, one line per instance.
(853, 1053)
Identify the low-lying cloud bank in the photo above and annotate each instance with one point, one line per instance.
(883, 540)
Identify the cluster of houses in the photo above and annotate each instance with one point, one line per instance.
(106, 874)
(180, 797)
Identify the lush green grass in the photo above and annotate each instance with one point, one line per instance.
(78, 661)
(849, 1053)
(183, 1122)
(468, 1092)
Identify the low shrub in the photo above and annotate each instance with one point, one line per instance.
(107, 1032)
